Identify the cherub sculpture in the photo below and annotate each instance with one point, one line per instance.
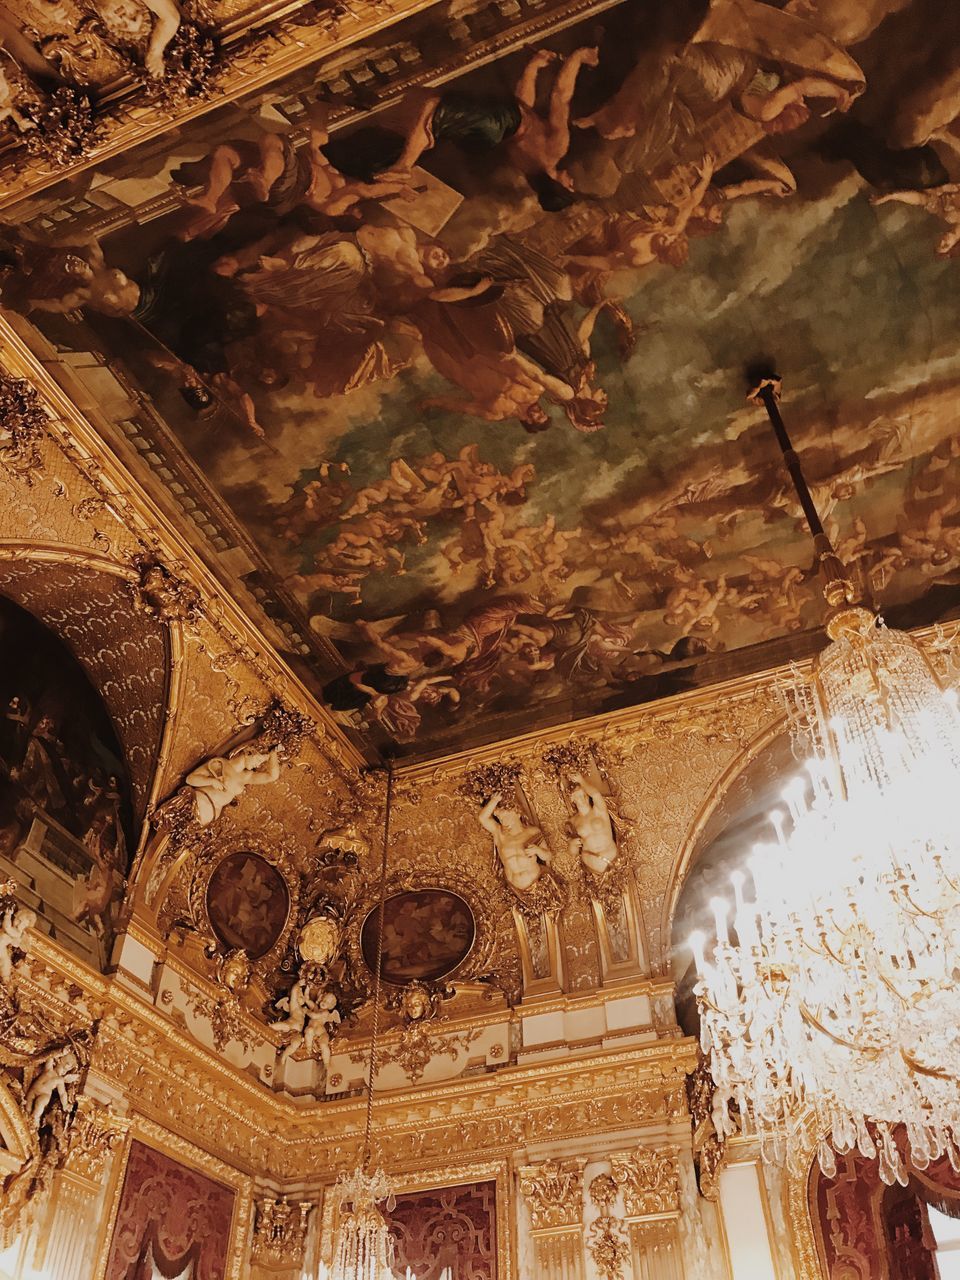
(14, 923)
(311, 1012)
(521, 848)
(590, 818)
(223, 779)
(60, 1070)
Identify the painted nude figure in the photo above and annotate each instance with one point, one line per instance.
(223, 779)
(519, 847)
(534, 144)
(943, 202)
(594, 841)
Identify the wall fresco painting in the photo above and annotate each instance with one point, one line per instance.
(65, 817)
(427, 933)
(470, 373)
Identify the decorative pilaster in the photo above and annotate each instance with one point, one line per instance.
(554, 1195)
(650, 1182)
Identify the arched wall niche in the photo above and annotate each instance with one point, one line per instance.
(88, 602)
(734, 818)
(68, 820)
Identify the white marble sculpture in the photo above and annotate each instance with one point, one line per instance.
(222, 779)
(310, 1015)
(14, 924)
(590, 819)
(60, 1070)
(520, 847)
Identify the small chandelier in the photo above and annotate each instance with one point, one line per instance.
(363, 1249)
(836, 1006)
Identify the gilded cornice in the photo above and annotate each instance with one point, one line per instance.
(173, 1081)
(272, 43)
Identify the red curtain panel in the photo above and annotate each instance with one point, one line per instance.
(171, 1215)
(454, 1228)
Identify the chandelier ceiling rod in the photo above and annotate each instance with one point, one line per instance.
(381, 898)
(835, 578)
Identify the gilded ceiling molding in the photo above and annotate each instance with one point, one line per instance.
(159, 539)
(254, 54)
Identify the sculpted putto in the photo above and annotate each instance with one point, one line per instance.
(311, 1012)
(221, 780)
(14, 924)
(60, 1070)
(520, 848)
(594, 842)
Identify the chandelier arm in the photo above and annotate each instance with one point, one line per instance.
(381, 896)
(846, 1044)
(914, 1065)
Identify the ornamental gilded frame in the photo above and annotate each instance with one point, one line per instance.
(183, 1152)
(209, 858)
(442, 1179)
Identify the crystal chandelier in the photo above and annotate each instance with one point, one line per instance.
(834, 1008)
(363, 1249)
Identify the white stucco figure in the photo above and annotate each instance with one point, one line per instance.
(310, 1015)
(221, 780)
(519, 847)
(14, 924)
(594, 841)
(60, 1070)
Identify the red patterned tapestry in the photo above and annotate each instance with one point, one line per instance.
(169, 1216)
(454, 1229)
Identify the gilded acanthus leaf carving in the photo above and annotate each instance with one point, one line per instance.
(554, 1193)
(649, 1179)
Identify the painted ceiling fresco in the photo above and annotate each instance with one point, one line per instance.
(470, 373)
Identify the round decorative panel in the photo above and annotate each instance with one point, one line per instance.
(247, 902)
(427, 933)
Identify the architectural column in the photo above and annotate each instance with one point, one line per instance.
(745, 1213)
(554, 1196)
(66, 1235)
(649, 1180)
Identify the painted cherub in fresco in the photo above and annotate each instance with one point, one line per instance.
(774, 593)
(628, 240)
(275, 172)
(943, 202)
(933, 544)
(693, 602)
(533, 144)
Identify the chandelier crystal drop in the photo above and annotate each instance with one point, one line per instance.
(364, 1245)
(833, 1012)
(838, 1000)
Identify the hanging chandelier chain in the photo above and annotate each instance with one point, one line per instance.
(381, 898)
(837, 586)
